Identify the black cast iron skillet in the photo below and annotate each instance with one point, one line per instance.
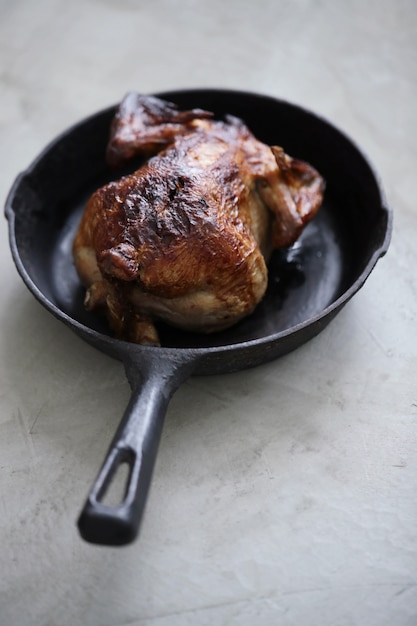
(308, 284)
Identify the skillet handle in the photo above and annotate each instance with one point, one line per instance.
(134, 446)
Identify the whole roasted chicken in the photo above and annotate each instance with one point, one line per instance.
(186, 237)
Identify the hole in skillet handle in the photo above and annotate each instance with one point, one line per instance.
(114, 490)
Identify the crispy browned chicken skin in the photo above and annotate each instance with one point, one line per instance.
(186, 237)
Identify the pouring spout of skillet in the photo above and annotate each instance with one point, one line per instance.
(308, 283)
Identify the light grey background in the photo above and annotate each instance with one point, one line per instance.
(282, 495)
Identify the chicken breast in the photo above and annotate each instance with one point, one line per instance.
(187, 236)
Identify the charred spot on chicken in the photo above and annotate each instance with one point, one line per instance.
(186, 237)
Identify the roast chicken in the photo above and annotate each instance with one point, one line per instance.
(187, 236)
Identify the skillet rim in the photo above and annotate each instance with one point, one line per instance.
(118, 347)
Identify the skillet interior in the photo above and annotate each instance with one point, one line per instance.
(307, 284)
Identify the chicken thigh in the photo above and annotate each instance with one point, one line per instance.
(186, 237)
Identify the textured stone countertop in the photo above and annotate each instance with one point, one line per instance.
(285, 494)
